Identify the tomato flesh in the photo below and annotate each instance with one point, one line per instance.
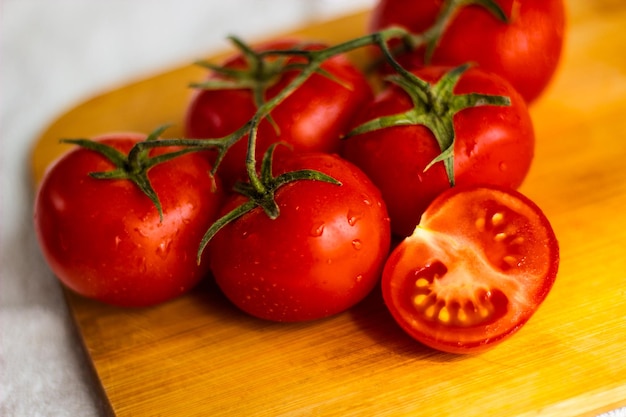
(481, 261)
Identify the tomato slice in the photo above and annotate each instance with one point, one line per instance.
(476, 268)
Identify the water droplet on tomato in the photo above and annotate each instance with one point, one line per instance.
(356, 244)
(143, 265)
(359, 278)
(317, 230)
(352, 217)
(503, 166)
(141, 232)
(164, 248)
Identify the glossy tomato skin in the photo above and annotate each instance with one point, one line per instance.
(323, 254)
(494, 145)
(474, 271)
(103, 238)
(312, 118)
(526, 51)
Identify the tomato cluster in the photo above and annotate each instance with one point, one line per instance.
(296, 175)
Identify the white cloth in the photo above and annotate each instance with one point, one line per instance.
(53, 55)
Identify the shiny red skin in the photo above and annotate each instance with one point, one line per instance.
(526, 51)
(312, 118)
(323, 254)
(494, 145)
(103, 238)
(486, 255)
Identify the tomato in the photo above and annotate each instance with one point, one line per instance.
(493, 144)
(526, 51)
(320, 256)
(103, 238)
(312, 118)
(474, 271)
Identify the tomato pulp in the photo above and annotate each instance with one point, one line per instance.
(477, 267)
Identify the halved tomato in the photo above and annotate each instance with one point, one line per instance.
(476, 268)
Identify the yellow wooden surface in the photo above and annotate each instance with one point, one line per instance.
(199, 356)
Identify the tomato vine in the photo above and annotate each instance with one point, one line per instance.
(434, 107)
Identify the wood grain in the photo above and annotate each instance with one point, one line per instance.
(200, 356)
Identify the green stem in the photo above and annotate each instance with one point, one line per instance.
(315, 59)
(135, 165)
(255, 181)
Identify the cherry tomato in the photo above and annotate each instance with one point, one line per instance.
(312, 118)
(103, 238)
(320, 256)
(493, 144)
(474, 271)
(526, 50)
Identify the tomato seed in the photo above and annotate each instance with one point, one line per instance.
(497, 218)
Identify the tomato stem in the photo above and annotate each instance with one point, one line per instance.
(135, 166)
(434, 106)
(262, 196)
(315, 59)
(261, 188)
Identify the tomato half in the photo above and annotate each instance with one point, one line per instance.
(475, 270)
(104, 239)
(493, 144)
(320, 256)
(312, 118)
(526, 51)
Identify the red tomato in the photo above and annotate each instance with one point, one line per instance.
(526, 51)
(494, 144)
(104, 239)
(474, 271)
(312, 118)
(320, 256)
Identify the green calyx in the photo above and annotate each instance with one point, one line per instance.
(258, 75)
(265, 197)
(434, 107)
(262, 70)
(133, 167)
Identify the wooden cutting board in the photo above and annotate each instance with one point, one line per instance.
(200, 356)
